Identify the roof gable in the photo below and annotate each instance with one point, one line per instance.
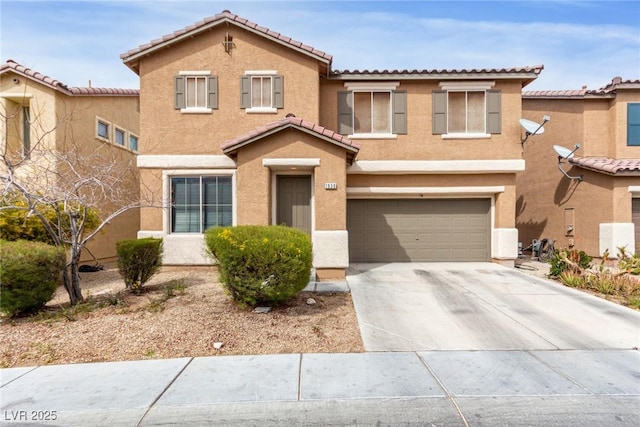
(232, 146)
(130, 58)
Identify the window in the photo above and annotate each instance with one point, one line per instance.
(466, 110)
(195, 92)
(103, 130)
(26, 131)
(118, 136)
(133, 142)
(262, 92)
(198, 203)
(372, 113)
(633, 124)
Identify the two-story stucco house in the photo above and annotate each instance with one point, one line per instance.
(596, 207)
(243, 125)
(41, 115)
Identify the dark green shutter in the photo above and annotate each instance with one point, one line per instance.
(345, 113)
(399, 125)
(245, 92)
(212, 95)
(494, 116)
(633, 124)
(278, 92)
(439, 100)
(180, 101)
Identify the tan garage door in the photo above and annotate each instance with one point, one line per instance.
(635, 217)
(419, 230)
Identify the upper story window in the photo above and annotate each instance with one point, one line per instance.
(372, 110)
(200, 202)
(26, 131)
(133, 142)
(103, 129)
(466, 110)
(195, 92)
(261, 91)
(118, 136)
(633, 124)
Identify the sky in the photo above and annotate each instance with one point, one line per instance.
(579, 42)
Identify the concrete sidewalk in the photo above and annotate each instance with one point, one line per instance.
(452, 388)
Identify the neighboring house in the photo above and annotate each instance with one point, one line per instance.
(243, 125)
(40, 115)
(602, 210)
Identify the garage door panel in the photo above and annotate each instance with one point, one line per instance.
(419, 230)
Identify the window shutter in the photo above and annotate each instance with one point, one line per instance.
(212, 95)
(345, 113)
(278, 92)
(633, 124)
(494, 119)
(399, 125)
(245, 92)
(439, 124)
(180, 101)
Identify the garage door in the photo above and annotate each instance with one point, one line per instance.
(635, 217)
(419, 230)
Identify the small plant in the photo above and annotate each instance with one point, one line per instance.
(628, 264)
(261, 264)
(572, 279)
(30, 273)
(138, 261)
(568, 259)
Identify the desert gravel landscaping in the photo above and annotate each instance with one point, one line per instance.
(182, 313)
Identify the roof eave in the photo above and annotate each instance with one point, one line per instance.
(525, 77)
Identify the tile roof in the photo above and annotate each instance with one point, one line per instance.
(231, 146)
(17, 68)
(606, 91)
(536, 69)
(607, 165)
(212, 21)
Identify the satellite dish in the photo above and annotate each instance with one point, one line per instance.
(563, 152)
(531, 127)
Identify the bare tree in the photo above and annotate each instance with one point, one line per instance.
(53, 171)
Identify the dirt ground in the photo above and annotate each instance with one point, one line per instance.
(182, 313)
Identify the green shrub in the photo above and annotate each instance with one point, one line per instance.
(568, 259)
(138, 261)
(573, 280)
(29, 274)
(261, 264)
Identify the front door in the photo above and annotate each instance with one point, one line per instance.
(293, 195)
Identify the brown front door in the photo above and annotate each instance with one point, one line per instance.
(293, 195)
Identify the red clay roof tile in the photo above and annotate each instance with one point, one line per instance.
(607, 165)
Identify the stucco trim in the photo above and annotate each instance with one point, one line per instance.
(614, 235)
(634, 190)
(417, 192)
(290, 163)
(467, 85)
(389, 167)
(364, 86)
(504, 244)
(178, 161)
(181, 249)
(330, 249)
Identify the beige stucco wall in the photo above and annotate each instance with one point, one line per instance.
(254, 181)
(544, 194)
(168, 131)
(419, 143)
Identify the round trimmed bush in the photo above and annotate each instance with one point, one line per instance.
(261, 264)
(138, 261)
(29, 273)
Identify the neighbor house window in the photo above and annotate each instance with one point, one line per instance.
(466, 110)
(633, 124)
(26, 131)
(103, 129)
(261, 91)
(372, 110)
(195, 92)
(118, 136)
(133, 142)
(201, 202)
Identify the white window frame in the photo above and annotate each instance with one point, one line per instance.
(196, 75)
(260, 74)
(480, 86)
(167, 175)
(117, 130)
(106, 123)
(371, 87)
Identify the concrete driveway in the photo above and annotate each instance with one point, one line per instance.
(481, 306)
